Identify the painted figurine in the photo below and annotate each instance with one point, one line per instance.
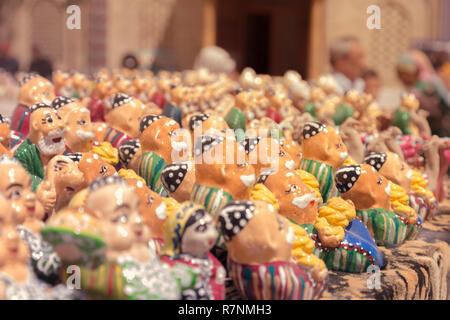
(259, 243)
(222, 172)
(45, 140)
(371, 194)
(190, 234)
(33, 89)
(323, 152)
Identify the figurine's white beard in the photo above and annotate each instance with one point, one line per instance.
(343, 155)
(248, 180)
(46, 145)
(85, 135)
(303, 201)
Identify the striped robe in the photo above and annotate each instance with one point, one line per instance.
(150, 168)
(213, 199)
(324, 174)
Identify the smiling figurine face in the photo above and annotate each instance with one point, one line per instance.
(162, 136)
(79, 130)
(35, 89)
(222, 163)
(16, 187)
(113, 201)
(125, 114)
(364, 186)
(14, 253)
(46, 130)
(324, 144)
(297, 201)
(254, 233)
(392, 167)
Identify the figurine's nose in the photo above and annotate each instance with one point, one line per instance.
(30, 198)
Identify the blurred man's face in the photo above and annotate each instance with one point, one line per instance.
(353, 64)
(355, 61)
(407, 78)
(373, 85)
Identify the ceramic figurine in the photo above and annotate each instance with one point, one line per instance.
(222, 172)
(29, 268)
(5, 136)
(259, 243)
(103, 250)
(190, 234)
(152, 208)
(64, 179)
(45, 140)
(130, 153)
(103, 89)
(28, 211)
(323, 152)
(161, 144)
(123, 117)
(178, 179)
(267, 153)
(332, 225)
(371, 194)
(62, 82)
(92, 166)
(392, 167)
(33, 89)
(77, 121)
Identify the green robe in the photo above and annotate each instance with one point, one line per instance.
(28, 155)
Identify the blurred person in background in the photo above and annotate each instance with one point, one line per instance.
(348, 62)
(419, 77)
(40, 64)
(7, 62)
(216, 60)
(372, 82)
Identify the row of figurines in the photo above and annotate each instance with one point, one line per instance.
(320, 208)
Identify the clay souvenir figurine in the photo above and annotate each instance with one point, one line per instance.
(29, 268)
(292, 148)
(323, 152)
(16, 187)
(153, 209)
(161, 143)
(222, 172)
(266, 154)
(44, 141)
(371, 194)
(103, 89)
(62, 82)
(409, 119)
(178, 179)
(130, 153)
(190, 234)
(5, 136)
(105, 250)
(123, 116)
(392, 167)
(64, 179)
(77, 121)
(33, 89)
(332, 226)
(259, 243)
(92, 166)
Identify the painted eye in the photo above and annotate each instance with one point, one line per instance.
(49, 119)
(122, 219)
(201, 227)
(150, 199)
(103, 170)
(242, 165)
(282, 153)
(292, 188)
(403, 167)
(57, 116)
(339, 145)
(15, 194)
(81, 122)
(280, 222)
(380, 180)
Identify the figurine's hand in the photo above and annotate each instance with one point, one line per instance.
(47, 196)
